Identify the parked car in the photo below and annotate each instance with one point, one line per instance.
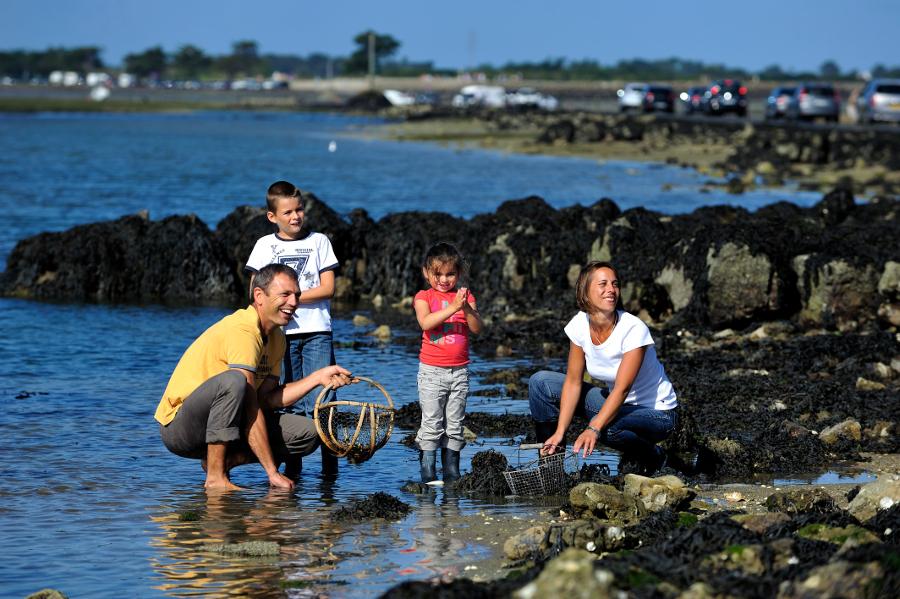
(399, 98)
(631, 96)
(528, 97)
(658, 98)
(692, 99)
(879, 101)
(777, 102)
(812, 101)
(724, 96)
(492, 96)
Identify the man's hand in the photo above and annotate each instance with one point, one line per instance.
(334, 376)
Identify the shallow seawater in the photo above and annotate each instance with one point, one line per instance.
(59, 170)
(94, 505)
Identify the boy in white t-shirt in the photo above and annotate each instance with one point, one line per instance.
(308, 334)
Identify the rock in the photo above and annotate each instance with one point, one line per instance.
(572, 574)
(759, 523)
(131, 259)
(864, 384)
(605, 502)
(803, 500)
(526, 544)
(382, 332)
(849, 430)
(249, 548)
(889, 282)
(503, 351)
(746, 559)
(835, 293)
(741, 284)
(838, 535)
(360, 320)
(47, 594)
(866, 503)
(659, 493)
(838, 579)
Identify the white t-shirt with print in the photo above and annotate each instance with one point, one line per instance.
(651, 387)
(309, 256)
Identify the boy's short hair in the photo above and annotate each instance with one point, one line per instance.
(583, 283)
(281, 189)
(264, 276)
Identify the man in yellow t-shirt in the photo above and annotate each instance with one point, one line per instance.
(221, 401)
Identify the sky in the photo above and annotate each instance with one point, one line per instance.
(795, 34)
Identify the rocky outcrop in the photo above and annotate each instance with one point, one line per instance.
(831, 266)
(133, 259)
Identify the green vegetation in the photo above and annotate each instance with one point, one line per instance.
(191, 63)
(686, 519)
(636, 578)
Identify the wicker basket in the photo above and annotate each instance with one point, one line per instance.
(354, 429)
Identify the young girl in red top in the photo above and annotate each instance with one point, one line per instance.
(447, 315)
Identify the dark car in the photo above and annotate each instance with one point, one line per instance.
(658, 98)
(692, 99)
(777, 102)
(812, 101)
(879, 101)
(724, 96)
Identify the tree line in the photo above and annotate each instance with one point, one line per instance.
(192, 63)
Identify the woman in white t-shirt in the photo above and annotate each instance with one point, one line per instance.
(638, 408)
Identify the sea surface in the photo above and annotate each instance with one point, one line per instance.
(91, 503)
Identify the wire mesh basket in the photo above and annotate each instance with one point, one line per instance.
(354, 429)
(544, 476)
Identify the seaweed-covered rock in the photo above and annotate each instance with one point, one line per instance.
(486, 477)
(573, 574)
(376, 505)
(132, 259)
(794, 501)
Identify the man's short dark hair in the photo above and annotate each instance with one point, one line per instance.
(265, 275)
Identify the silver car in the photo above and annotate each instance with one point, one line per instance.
(814, 100)
(879, 101)
(631, 97)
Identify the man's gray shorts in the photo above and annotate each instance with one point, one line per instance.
(213, 414)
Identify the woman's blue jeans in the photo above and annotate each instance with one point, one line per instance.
(307, 353)
(635, 429)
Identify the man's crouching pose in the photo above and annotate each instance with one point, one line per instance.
(223, 402)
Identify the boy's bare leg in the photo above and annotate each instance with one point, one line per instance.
(216, 476)
(258, 439)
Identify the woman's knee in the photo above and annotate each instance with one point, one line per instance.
(543, 394)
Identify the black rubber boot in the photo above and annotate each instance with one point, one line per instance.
(329, 462)
(450, 464)
(427, 466)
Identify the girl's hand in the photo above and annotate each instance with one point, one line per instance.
(461, 296)
(552, 444)
(586, 442)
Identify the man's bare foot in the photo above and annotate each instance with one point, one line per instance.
(277, 479)
(221, 484)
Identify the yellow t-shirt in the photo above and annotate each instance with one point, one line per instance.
(236, 341)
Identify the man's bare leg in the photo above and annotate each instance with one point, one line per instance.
(216, 476)
(258, 439)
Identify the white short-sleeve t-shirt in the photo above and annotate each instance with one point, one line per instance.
(309, 256)
(651, 387)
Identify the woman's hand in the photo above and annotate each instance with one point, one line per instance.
(586, 442)
(552, 444)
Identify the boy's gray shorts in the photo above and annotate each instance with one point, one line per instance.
(213, 412)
